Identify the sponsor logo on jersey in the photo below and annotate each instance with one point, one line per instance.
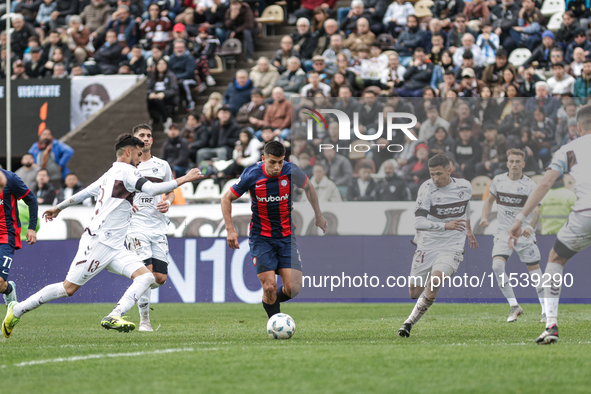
(511, 200)
(146, 200)
(1, 202)
(273, 198)
(453, 210)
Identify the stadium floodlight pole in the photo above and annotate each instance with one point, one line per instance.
(8, 91)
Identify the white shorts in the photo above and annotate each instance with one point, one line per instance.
(526, 248)
(148, 246)
(424, 263)
(576, 232)
(92, 257)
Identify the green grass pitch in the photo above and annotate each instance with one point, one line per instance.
(337, 348)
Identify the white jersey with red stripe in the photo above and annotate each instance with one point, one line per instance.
(574, 158)
(443, 205)
(511, 197)
(148, 218)
(114, 193)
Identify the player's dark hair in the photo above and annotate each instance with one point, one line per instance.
(584, 117)
(125, 140)
(274, 148)
(139, 127)
(439, 160)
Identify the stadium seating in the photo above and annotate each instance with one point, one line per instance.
(227, 187)
(207, 190)
(519, 56)
(479, 186)
(230, 49)
(551, 7)
(220, 66)
(386, 41)
(423, 8)
(555, 22)
(187, 190)
(271, 16)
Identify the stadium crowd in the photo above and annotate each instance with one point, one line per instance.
(448, 63)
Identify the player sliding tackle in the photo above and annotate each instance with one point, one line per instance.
(573, 158)
(442, 221)
(511, 190)
(101, 245)
(272, 243)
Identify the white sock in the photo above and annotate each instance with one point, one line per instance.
(536, 276)
(46, 294)
(419, 310)
(552, 293)
(498, 267)
(143, 303)
(132, 295)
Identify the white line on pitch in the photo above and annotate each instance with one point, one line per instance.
(108, 355)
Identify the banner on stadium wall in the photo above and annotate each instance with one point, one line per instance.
(90, 94)
(36, 105)
(205, 220)
(344, 269)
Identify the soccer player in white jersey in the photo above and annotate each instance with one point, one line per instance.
(442, 221)
(101, 245)
(149, 224)
(573, 158)
(511, 190)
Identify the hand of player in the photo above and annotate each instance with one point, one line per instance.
(514, 233)
(472, 239)
(484, 222)
(51, 214)
(458, 224)
(233, 239)
(320, 221)
(527, 231)
(193, 175)
(163, 206)
(134, 208)
(31, 237)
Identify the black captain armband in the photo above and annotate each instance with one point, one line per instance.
(422, 212)
(140, 182)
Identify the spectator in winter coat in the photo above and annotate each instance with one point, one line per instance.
(393, 187)
(79, 39)
(278, 114)
(71, 186)
(43, 17)
(418, 75)
(326, 189)
(409, 40)
(357, 12)
(238, 91)
(43, 188)
(494, 152)
(20, 35)
(583, 83)
(108, 56)
(361, 37)
(396, 15)
(246, 153)
(568, 27)
(239, 22)
(176, 151)
(182, 64)
(281, 55)
(63, 9)
(264, 76)
(364, 188)
(338, 168)
(580, 41)
(163, 90)
(304, 41)
(52, 155)
(124, 25)
(222, 137)
(293, 79)
(468, 152)
(96, 16)
(251, 114)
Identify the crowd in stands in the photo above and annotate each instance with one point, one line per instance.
(449, 65)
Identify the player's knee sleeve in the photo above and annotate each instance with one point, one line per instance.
(498, 267)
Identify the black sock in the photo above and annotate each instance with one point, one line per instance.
(281, 296)
(8, 289)
(272, 309)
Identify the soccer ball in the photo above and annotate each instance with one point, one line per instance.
(281, 326)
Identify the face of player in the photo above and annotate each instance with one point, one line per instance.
(440, 176)
(135, 153)
(515, 165)
(146, 137)
(273, 164)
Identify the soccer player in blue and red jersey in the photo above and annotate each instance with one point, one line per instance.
(272, 242)
(13, 189)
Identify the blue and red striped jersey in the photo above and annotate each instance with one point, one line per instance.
(10, 224)
(271, 198)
